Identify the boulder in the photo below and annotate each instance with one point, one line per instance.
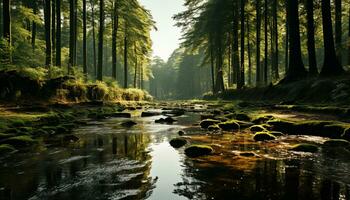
(229, 125)
(263, 136)
(178, 142)
(257, 128)
(194, 151)
(336, 143)
(208, 122)
(129, 124)
(310, 148)
(121, 115)
(149, 114)
(70, 138)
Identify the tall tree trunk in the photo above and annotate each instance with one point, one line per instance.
(34, 26)
(212, 63)
(7, 31)
(235, 46)
(296, 69)
(84, 41)
(349, 37)
(338, 29)
(229, 60)
(286, 51)
(249, 53)
(100, 41)
(331, 65)
(93, 37)
(58, 33)
(71, 35)
(135, 75)
(125, 60)
(311, 37)
(53, 29)
(114, 40)
(47, 20)
(275, 52)
(241, 82)
(75, 33)
(141, 77)
(219, 85)
(258, 33)
(266, 57)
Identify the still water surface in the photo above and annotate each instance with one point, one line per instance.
(113, 162)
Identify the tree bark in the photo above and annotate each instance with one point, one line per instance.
(311, 38)
(135, 74)
(7, 30)
(212, 62)
(275, 52)
(258, 33)
(241, 82)
(296, 69)
(338, 29)
(235, 46)
(331, 65)
(47, 21)
(93, 37)
(58, 33)
(100, 42)
(71, 35)
(266, 56)
(53, 29)
(249, 53)
(114, 40)
(84, 41)
(34, 25)
(125, 60)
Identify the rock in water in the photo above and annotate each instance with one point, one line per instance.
(178, 142)
(229, 125)
(208, 122)
(198, 150)
(149, 114)
(310, 148)
(263, 136)
(129, 124)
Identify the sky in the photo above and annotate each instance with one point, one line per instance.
(167, 38)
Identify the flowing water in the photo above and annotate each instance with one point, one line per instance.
(113, 162)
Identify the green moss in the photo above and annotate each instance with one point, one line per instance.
(20, 141)
(178, 142)
(229, 125)
(263, 136)
(305, 148)
(6, 148)
(276, 133)
(194, 151)
(208, 122)
(257, 128)
(262, 119)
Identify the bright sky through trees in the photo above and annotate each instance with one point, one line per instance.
(166, 39)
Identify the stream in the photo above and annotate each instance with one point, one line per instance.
(114, 162)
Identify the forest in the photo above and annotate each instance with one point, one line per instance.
(252, 103)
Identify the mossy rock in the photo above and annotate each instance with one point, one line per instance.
(18, 123)
(229, 125)
(336, 143)
(276, 133)
(20, 141)
(5, 135)
(207, 116)
(181, 133)
(257, 128)
(178, 142)
(310, 148)
(208, 122)
(149, 114)
(61, 130)
(214, 128)
(26, 129)
(194, 151)
(247, 154)
(121, 115)
(263, 136)
(129, 124)
(6, 148)
(242, 117)
(261, 119)
(346, 134)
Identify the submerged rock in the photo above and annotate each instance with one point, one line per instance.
(229, 125)
(198, 150)
(121, 115)
(263, 136)
(178, 142)
(208, 122)
(129, 124)
(310, 148)
(174, 112)
(149, 114)
(181, 133)
(168, 120)
(336, 143)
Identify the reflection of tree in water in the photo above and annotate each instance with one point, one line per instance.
(270, 179)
